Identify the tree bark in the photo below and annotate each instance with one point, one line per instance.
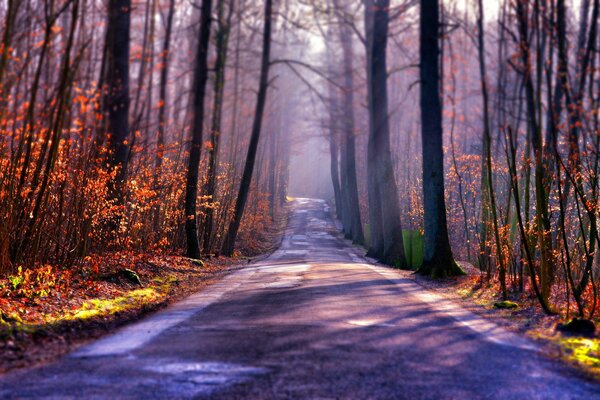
(393, 250)
(438, 259)
(376, 242)
(334, 162)
(119, 20)
(334, 136)
(353, 221)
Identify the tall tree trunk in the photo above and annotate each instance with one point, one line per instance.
(376, 241)
(233, 136)
(393, 250)
(438, 259)
(119, 20)
(9, 24)
(487, 148)
(354, 225)
(162, 109)
(334, 162)
(273, 146)
(200, 78)
(222, 42)
(333, 138)
(541, 206)
(574, 98)
(229, 243)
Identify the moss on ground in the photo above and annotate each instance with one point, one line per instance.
(506, 305)
(583, 351)
(102, 307)
(131, 300)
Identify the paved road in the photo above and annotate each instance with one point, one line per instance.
(313, 321)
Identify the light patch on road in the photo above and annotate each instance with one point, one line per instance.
(321, 235)
(369, 322)
(284, 284)
(206, 377)
(295, 252)
(285, 268)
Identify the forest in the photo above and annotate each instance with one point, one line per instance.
(448, 137)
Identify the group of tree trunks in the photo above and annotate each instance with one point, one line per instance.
(118, 39)
(385, 225)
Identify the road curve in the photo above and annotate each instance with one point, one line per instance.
(313, 321)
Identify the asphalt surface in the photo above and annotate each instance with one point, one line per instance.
(313, 321)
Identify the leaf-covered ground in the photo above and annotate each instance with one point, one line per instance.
(46, 312)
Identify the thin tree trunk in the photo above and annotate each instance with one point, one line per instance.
(9, 24)
(542, 218)
(229, 243)
(162, 109)
(273, 170)
(222, 43)
(333, 138)
(487, 148)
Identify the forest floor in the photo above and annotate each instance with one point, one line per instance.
(475, 295)
(46, 312)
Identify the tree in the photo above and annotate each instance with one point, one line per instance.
(117, 100)
(537, 146)
(352, 219)
(162, 106)
(332, 122)
(229, 242)
(200, 78)
(489, 204)
(376, 242)
(438, 259)
(389, 205)
(222, 41)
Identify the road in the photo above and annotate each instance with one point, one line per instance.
(313, 321)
